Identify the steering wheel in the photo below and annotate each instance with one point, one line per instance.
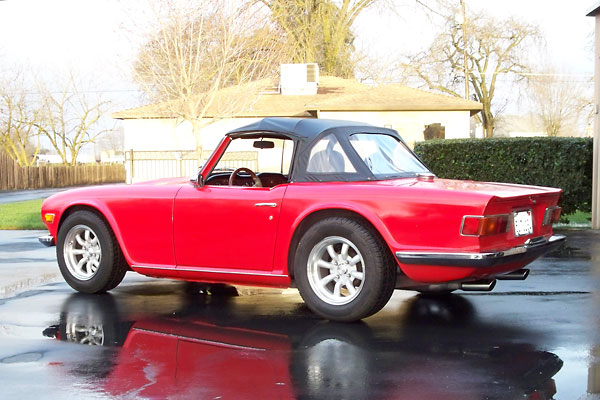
(257, 182)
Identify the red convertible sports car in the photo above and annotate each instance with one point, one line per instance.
(343, 211)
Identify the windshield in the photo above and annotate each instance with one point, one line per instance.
(385, 155)
(245, 152)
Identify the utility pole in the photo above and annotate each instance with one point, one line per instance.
(464, 35)
(595, 12)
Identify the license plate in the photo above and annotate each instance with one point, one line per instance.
(523, 223)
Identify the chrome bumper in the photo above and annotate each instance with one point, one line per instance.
(47, 240)
(529, 251)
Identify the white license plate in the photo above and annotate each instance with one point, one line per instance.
(523, 223)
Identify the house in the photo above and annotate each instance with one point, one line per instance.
(153, 129)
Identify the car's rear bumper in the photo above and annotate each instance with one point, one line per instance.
(47, 240)
(529, 251)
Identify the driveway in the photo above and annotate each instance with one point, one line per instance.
(149, 338)
(23, 195)
(25, 262)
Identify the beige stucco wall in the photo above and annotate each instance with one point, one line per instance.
(172, 135)
(410, 124)
(169, 134)
(166, 134)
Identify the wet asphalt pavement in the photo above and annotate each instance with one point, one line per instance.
(535, 339)
(24, 195)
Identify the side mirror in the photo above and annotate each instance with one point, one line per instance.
(199, 180)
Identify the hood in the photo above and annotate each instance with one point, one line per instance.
(168, 185)
(163, 181)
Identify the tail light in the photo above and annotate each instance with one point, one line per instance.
(551, 215)
(477, 225)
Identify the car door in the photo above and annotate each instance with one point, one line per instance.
(226, 227)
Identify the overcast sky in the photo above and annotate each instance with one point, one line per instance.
(563, 23)
(86, 34)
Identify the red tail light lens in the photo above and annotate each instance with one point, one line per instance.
(484, 225)
(552, 215)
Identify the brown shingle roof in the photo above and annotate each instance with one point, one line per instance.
(334, 94)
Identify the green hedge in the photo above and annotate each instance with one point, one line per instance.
(548, 161)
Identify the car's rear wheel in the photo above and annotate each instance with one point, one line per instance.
(89, 256)
(343, 270)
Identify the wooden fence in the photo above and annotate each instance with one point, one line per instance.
(15, 177)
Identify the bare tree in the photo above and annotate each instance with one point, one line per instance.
(112, 141)
(69, 119)
(196, 51)
(19, 136)
(493, 48)
(558, 100)
(320, 31)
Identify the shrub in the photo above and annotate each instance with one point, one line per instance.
(543, 161)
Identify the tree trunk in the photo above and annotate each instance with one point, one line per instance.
(487, 119)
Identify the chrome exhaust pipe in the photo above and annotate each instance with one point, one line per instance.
(518, 275)
(479, 286)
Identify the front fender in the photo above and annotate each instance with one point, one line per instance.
(63, 209)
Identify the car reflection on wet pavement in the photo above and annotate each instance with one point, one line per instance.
(537, 339)
(225, 350)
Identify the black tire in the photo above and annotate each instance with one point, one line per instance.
(92, 320)
(335, 361)
(377, 270)
(107, 268)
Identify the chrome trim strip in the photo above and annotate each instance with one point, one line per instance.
(460, 256)
(535, 247)
(211, 271)
(203, 341)
(425, 176)
(47, 240)
(265, 204)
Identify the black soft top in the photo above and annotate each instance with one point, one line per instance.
(305, 129)
(308, 131)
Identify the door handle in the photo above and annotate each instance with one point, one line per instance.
(265, 204)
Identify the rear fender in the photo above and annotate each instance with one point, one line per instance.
(334, 208)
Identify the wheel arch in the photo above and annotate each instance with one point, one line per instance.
(311, 217)
(103, 214)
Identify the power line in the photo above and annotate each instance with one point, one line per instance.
(87, 91)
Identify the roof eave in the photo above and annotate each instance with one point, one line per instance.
(594, 10)
(473, 110)
(299, 114)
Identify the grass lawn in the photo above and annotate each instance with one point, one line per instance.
(578, 219)
(26, 215)
(21, 215)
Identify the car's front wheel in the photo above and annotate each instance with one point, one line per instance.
(343, 270)
(89, 256)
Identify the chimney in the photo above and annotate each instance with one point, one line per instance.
(299, 79)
